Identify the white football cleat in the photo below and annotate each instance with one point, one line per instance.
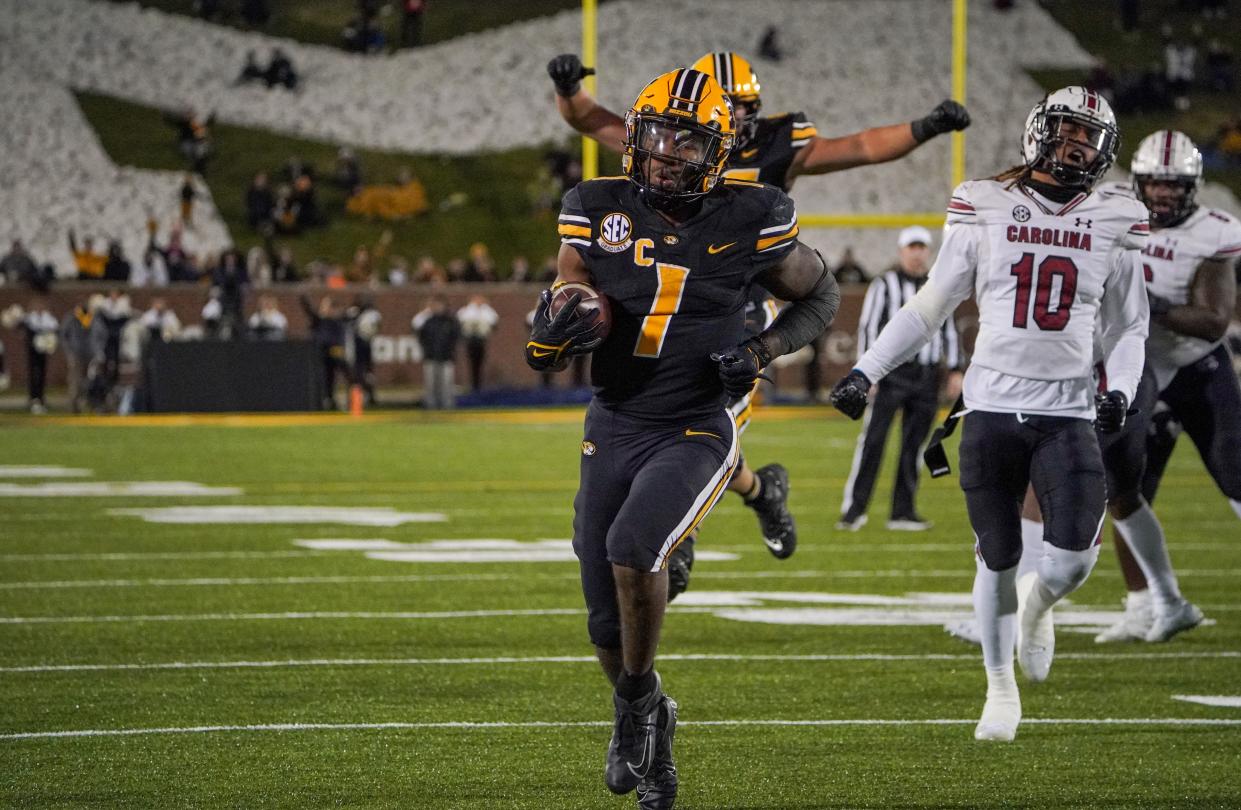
(1185, 615)
(964, 629)
(1036, 633)
(1134, 624)
(1001, 715)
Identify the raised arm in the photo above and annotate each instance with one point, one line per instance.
(579, 108)
(878, 144)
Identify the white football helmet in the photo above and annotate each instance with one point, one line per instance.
(1170, 156)
(1042, 138)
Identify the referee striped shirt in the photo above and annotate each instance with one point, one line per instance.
(884, 298)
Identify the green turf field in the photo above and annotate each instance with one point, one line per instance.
(148, 664)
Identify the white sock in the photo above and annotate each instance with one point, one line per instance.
(995, 606)
(1031, 546)
(1236, 506)
(1144, 536)
(1061, 572)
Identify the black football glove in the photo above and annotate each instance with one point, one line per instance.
(851, 394)
(567, 73)
(1110, 412)
(947, 117)
(554, 340)
(741, 365)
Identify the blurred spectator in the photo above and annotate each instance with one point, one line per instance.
(360, 269)
(306, 201)
(438, 333)
(348, 174)
(411, 22)
(364, 319)
(1219, 67)
(89, 264)
(109, 322)
(1143, 91)
(268, 322)
(398, 273)
(187, 200)
(117, 267)
(481, 267)
(565, 167)
(549, 270)
(251, 71)
(231, 279)
(258, 267)
(212, 314)
(160, 322)
(17, 266)
(256, 13)
(39, 327)
(1180, 66)
(286, 214)
(280, 71)
(849, 271)
(207, 9)
(193, 137)
(769, 46)
(327, 328)
(478, 320)
(429, 271)
(1102, 81)
(83, 346)
(519, 270)
(456, 270)
(402, 200)
(284, 271)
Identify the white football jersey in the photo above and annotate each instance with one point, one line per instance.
(1170, 261)
(1041, 272)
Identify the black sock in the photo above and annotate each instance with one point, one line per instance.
(633, 687)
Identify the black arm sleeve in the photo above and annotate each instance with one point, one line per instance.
(805, 319)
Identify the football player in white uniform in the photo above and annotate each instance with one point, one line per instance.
(1188, 266)
(1044, 256)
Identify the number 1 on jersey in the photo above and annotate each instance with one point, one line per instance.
(667, 301)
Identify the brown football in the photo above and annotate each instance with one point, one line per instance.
(591, 299)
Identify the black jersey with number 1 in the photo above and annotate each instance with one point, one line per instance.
(678, 292)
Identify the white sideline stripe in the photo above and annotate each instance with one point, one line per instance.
(159, 555)
(1218, 701)
(545, 724)
(581, 659)
(37, 471)
(193, 617)
(208, 581)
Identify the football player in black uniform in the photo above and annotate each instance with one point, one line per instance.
(769, 149)
(675, 248)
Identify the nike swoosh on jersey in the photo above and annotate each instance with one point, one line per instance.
(692, 432)
(712, 249)
(749, 153)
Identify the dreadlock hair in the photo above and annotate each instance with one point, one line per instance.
(1013, 176)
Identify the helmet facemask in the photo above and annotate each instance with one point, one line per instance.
(1075, 150)
(747, 124)
(672, 161)
(1169, 199)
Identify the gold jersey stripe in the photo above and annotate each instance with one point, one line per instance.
(739, 181)
(573, 230)
(766, 243)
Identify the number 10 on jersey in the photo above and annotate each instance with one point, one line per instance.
(1049, 316)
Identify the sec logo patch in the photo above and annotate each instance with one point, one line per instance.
(588, 448)
(1021, 213)
(615, 232)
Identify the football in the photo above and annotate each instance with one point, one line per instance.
(592, 299)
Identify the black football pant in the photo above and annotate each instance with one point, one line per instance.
(476, 353)
(1124, 453)
(37, 375)
(1003, 453)
(1205, 399)
(913, 391)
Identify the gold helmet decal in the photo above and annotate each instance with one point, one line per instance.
(733, 73)
(677, 136)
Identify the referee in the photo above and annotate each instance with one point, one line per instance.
(912, 390)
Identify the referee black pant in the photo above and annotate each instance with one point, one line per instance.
(913, 391)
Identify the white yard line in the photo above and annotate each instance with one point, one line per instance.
(233, 617)
(587, 659)
(557, 725)
(159, 555)
(231, 581)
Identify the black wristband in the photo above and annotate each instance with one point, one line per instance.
(922, 129)
(570, 91)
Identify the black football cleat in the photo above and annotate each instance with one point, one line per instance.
(631, 752)
(772, 508)
(680, 562)
(658, 791)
